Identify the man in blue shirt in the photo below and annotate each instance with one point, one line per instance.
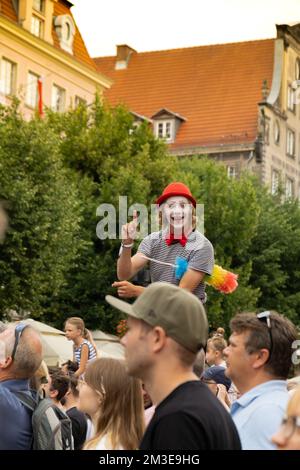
(258, 361)
(20, 357)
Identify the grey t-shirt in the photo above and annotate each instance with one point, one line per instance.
(198, 251)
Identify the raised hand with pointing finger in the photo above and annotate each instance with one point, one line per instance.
(129, 230)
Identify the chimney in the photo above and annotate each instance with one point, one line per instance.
(123, 55)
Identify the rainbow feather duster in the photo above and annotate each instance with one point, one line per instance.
(222, 280)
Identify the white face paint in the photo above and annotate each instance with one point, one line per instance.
(177, 214)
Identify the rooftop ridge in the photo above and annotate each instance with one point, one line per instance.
(191, 47)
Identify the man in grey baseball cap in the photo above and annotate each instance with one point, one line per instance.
(167, 326)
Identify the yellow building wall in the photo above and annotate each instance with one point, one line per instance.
(31, 54)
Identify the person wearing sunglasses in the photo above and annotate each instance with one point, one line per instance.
(259, 357)
(288, 435)
(20, 358)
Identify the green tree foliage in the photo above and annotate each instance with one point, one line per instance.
(44, 214)
(55, 173)
(275, 252)
(109, 157)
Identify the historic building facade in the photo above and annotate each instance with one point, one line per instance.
(43, 59)
(236, 102)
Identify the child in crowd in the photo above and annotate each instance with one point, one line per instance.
(69, 367)
(215, 358)
(218, 383)
(114, 402)
(58, 386)
(78, 418)
(214, 351)
(83, 350)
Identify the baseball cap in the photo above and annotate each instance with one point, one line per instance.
(177, 311)
(217, 374)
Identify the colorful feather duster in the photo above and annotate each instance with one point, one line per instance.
(222, 280)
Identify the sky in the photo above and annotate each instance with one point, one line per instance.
(148, 25)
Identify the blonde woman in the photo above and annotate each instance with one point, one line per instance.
(114, 402)
(288, 436)
(83, 350)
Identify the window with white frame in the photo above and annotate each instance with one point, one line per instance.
(39, 5)
(297, 69)
(231, 171)
(37, 26)
(290, 143)
(267, 133)
(58, 99)
(164, 130)
(275, 182)
(276, 132)
(291, 99)
(7, 77)
(32, 90)
(289, 188)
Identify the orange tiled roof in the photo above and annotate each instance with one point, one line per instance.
(62, 7)
(7, 10)
(79, 49)
(216, 88)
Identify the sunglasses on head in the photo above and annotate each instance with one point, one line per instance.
(20, 327)
(266, 318)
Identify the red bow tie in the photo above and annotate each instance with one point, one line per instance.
(170, 240)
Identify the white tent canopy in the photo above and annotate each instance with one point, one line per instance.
(108, 345)
(57, 349)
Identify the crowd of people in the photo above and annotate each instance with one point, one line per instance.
(168, 393)
(177, 388)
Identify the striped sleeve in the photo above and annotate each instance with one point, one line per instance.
(203, 259)
(145, 246)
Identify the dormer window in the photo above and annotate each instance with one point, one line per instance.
(39, 5)
(164, 130)
(65, 30)
(166, 124)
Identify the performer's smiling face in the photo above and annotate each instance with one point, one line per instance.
(177, 213)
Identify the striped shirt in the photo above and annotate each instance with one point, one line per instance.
(92, 352)
(198, 251)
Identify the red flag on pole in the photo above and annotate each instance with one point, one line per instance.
(40, 97)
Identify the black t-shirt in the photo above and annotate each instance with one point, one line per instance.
(191, 418)
(79, 426)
